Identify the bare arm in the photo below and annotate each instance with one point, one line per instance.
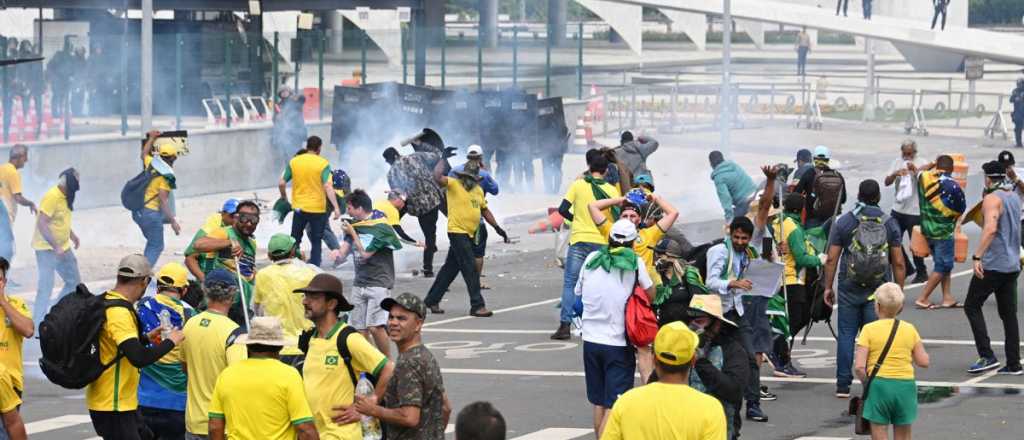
(147, 147)
(921, 358)
(217, 429)
(21, 200)
(406, 416)
(860, 363)
(306, 431)
(670, 213)
(899, 265)
(764, 204)
(15, 425)
(281, 188)
(830, 272)
(210, 244)
(329, 190)
(991, 209)
(165, 208)
(192, 263)
(439, 173)
(446, 410)
(597, 208)
(21, 323)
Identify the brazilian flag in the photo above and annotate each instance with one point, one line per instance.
(375, 233)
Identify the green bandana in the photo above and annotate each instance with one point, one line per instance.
(620, 258)
(599, 194)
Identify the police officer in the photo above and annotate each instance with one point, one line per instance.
(1017, 99)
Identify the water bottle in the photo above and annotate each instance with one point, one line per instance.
(370, 425)
(165, 324)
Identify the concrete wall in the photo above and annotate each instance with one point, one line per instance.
(219, 161)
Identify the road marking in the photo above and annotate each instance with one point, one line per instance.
(555, 434)
(955, 275)
(507, 309)
(926, 341)
(56, 423)
(824, 438)
(487, 331)
(813, 380)
(450, 428)
(980, 378)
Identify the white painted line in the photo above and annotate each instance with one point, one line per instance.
(823, 438)
(555, 434)
(926, 341)
(56, 423)
(507, 309)
(813, 380)
(980, 378)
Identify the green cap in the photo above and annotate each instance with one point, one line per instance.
(281, 244)
(408, 302)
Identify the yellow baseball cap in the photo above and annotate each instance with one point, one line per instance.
(173, 274)
(168, 150)
(675, 344)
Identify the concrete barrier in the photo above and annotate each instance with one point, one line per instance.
(220, 160)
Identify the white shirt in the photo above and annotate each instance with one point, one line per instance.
(911, 206)
(604, 301)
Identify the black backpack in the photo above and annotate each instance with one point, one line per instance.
(346, 354)
(69, 338)
(828, 192)
(133, 194)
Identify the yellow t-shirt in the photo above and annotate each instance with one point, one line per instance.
(652, 412)
(464, 207)
(10, 343)
(308, 172)
(646, 239)
(207, 350)
(55, 205)
(327, 381)
(899, 363)
(10, 184)
(260, 399)
(580, 195)
(117, 388)
(9, 399)
(390, 212)
(275, 293)
(158, 183)
(213, 222)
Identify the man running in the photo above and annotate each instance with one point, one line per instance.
(53, 242)
(310, 176)
(996, 268)
(734, 186)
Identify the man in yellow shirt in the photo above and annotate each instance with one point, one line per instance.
(209, 347)
(10, 401)
(112, 398)
(330, 379)
(584, 237)
(310, 176)
(53, 240)
(274, 292)
(17, 326)
(261, 398)
(158, 201)
(10, 198)
(466, 205)
(669, 408)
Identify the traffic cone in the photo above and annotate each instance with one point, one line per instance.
(580, 139)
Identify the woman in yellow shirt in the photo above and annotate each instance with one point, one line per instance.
(893, 396)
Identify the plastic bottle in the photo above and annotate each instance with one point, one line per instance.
(165, 324)
(370, 425)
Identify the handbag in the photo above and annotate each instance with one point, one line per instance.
(860, 425)
(641, 323)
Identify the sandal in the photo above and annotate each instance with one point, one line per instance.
(928, 306)
(955, 305)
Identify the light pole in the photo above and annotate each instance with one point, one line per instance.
(725, 119)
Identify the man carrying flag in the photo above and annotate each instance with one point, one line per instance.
(373, 241)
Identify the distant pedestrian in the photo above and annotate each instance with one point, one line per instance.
(906, 208)
(53, 242)
(479, 421)
(310, 175)
(996, 269)
(804, 163)
(289, 131)
(416, 406)
(261, 398)
(669, 408)
(734, 186)
(941, 7)
(844, 4)
(866, 5)
(158, 207)
(889, 383)
(1017, 115)
(274, 291)
(803, 47)
(11, 197)
(942, 202)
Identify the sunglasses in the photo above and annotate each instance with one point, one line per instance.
(248, 218)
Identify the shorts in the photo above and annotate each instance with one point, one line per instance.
(480, 242)
(942, 255)
(755, 315)
(609, 372)
(891, 402)
(366, 311)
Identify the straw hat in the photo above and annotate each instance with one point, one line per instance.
(267, 330)
(710, 305)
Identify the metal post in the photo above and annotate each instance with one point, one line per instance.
(146, 59)
(579, 64)
(479, 60)
(444, 57)
(405, 58)
(515, 56)
(298, 59)
(227, 77)
(419, 43)
(273, 87)
(632, 110)
(124, 73)
(179, 46)
(949, 94)
(869, 92)
(725, 119)
(320, 73)
(547, 67)
(362, 56)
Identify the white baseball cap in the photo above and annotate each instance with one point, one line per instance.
(474, 151)
(623, 231)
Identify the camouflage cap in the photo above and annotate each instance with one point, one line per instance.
(407, 301)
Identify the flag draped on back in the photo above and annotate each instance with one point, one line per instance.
(375, 233)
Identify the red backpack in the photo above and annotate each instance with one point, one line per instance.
(641, 323)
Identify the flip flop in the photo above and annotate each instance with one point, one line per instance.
(955, 305)
(924, 307)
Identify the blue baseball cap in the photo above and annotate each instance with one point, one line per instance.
(804, 155)
(641, 179)
(821, 152)
(230, 206)
(220, 277)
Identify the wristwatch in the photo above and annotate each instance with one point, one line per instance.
(975, 258)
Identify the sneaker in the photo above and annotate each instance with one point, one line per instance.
(790, 371)
(775, 361)
(754, 412)
(766, 395)
(428, 274)
(435, 309)
(1011, 371)
(563, 333)
(921, 278)
(982, 365)
(843, 392)
(482, 313)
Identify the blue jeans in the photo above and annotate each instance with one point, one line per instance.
(574, 258)
(854, 312)
(48, 262)
(6, 234)
(317, 224)
(151, 222)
